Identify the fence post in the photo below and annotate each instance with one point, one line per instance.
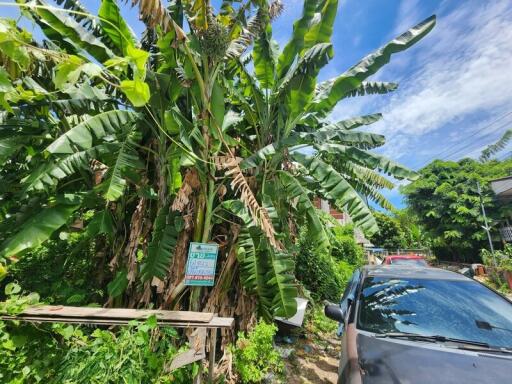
(211, 356)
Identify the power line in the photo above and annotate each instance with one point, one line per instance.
(504, 156)
(472, 143)
(439, 154)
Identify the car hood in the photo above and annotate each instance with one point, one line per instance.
(403, 361)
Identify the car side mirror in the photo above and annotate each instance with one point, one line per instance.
(334, 312)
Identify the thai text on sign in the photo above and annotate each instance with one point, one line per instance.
(201, 263)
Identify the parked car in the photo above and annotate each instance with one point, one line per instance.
(402, 324)
(406, 260)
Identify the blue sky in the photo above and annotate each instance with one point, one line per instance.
(455, 93)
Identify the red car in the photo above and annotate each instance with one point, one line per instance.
(413, 260)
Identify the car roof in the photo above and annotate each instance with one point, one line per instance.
(404, 257)
(413, 272)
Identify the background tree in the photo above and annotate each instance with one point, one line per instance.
(391, 235)
(399, 229)
(446, 202)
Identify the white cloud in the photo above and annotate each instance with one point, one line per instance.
(408, 15)
(461, 79)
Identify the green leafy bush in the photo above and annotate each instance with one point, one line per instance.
(61, 271)
(324, 274)
(136, 354)
(446, 201)
(255, 356)
(27, 354)
(344, 246)
(318, 272)
(319, 323)
(503, 257)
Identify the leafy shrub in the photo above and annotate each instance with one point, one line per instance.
(255, 356)
(61, 271)
(344, 246)
(319, 323)
(136, 354)
(326, 275)
(344, 271)
(27, 354)
(317, 271)
(503, 257)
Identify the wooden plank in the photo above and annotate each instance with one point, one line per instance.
(197, 341)
(117, 313)
(219, 322)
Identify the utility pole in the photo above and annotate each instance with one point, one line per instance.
(486, 227)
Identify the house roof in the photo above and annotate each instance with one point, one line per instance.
(502, 187)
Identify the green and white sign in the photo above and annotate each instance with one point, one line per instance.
(202, 260)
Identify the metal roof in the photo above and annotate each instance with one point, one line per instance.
(503, 186)
(413, 272)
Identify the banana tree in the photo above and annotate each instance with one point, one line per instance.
(175, 139)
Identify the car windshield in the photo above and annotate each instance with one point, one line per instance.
(463, 310)
(419, 262)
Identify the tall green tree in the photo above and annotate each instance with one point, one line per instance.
(185, 136)
(446, 202)
(399, 230)
(391, 235)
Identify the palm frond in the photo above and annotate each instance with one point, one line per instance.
(496, 147)
(373, 88)
(161, 248)
(239, 186)
(238, 45)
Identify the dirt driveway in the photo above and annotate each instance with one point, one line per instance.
(312, 359)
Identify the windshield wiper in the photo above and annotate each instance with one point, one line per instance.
(432, 338)
(469, 345)
(489, 327)
(476, 348)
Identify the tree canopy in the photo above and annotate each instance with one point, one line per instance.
(446, 202)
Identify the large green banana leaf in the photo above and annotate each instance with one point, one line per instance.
(268, 274)
(368, 159)
(64, 30)
(115, 27)
(49, 173)
(264, 58)
(298, 85)
(296, 44)
(126, 163)
(37, 229)
(281, 284)
(162, 245)
(252, 271)
(335, 188)
(295, 190)
(320, 29)
(335, 133)
(330, 92)
(81, 136)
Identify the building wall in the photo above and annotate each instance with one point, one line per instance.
(324, 206)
